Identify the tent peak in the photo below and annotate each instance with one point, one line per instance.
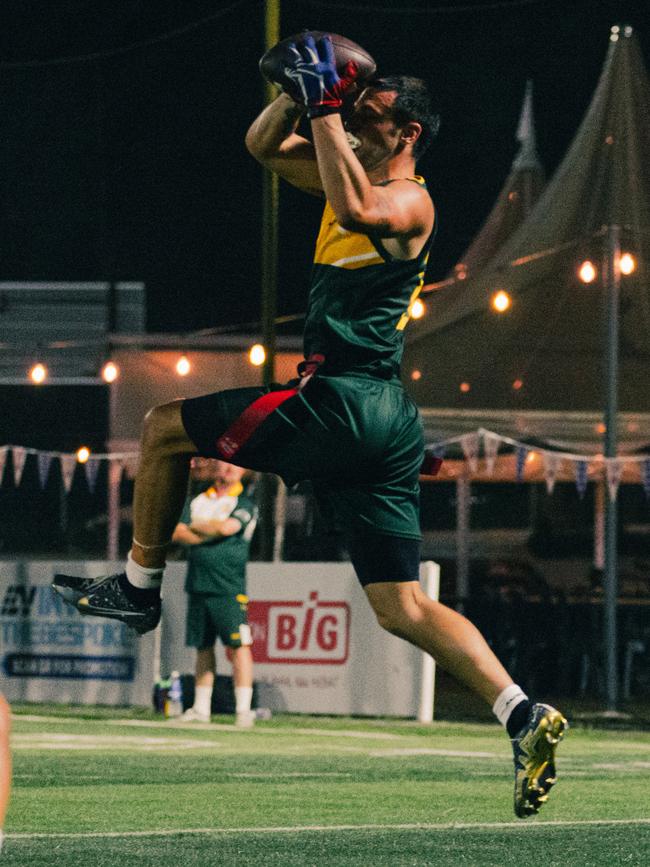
(527, 158)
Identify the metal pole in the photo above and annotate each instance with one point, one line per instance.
(430, 574)
(270, 198)
(463, 507)
(114, 477)
(612, 285)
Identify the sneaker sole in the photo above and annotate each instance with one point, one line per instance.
(133, 621)
(543, 743)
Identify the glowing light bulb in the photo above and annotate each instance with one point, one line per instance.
(110, 371)
(465, 387)
(83, 454)
(38, 373)
(418, 309)
(587, 272)
(627, 263)
(518, 384)
(501, 301)
(257, 355)
(183, 366)
(416, 375)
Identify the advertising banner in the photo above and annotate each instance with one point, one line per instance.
(317, 646)
(50, 653)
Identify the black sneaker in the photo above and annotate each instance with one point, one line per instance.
(72, 587)
(104, 597)
(534, 754)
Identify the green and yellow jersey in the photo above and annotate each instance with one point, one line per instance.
(360, 299)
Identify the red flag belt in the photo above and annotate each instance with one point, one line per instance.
(245, 425)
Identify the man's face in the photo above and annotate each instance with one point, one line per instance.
(218, 473)
(374, 134)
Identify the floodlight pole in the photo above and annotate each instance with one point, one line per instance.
(270, 198)
(612, 287)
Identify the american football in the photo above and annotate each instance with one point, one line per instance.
(273, 63)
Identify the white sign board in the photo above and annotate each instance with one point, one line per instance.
(50, 653)
(317, 646)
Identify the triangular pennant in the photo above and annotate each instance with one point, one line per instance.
(582, 469)
(521, 455)
(490, 447)
(3, 461)
(92, 468)
(44, 460)
(552, 463)
(19, 455)
(68, 466)
(646, 477)
(469, 445)
(614, 471)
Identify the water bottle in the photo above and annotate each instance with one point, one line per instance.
(174, 706)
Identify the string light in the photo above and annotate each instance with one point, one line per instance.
(183, 366)
(38, 373)
(83, 454)
(501, 301)
(416, 375)
(517, 384)
(257, 355)
(587, 272)
(110, 371)
(627, 263)
(465, 387)
(418, 309)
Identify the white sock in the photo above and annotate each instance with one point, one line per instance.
(507, 701)
(141, 576)
(243, 698)
(203, 700)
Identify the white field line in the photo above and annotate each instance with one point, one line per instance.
(296, 829)
(432, 751)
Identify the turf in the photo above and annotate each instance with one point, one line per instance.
(300, 791)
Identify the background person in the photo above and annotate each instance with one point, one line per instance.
(216, 528)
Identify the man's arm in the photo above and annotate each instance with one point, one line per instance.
(182, 535)
(401, 209)
(273, 141)
(211, 530)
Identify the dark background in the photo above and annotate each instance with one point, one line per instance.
(130, 163)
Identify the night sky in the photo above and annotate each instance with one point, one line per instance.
(131, 164)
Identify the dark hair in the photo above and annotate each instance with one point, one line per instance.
(413, 103)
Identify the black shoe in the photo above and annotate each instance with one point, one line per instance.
(104, 597)
(534, 754)
(72, 587)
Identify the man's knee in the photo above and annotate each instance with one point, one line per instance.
(163, 429)
(395, 605)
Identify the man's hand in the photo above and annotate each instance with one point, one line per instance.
(313, 69)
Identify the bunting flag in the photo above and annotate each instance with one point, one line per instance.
(92, 468)
(3, 461)
(582, 468)
(68, 466)
(491, 448)
(19, 454)
(44, 460)
(552, 462)
(521, 455)
(469, 444)
(613, 472)
(646, 477)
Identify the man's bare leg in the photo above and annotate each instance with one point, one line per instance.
(160, 484)
(455, 643)
(5, 760)
(242, 670)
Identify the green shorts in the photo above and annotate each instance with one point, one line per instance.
(211, 617)
(359, 441)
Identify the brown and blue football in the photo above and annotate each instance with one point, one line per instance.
(273, 63)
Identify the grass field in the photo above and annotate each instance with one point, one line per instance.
(303, 791)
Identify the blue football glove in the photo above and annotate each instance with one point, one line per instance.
(313, 69)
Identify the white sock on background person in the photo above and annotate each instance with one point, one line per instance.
(243, 698)
(203, 700)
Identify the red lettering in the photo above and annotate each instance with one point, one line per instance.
(306, 629)
(327, 638)
(286, 632)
